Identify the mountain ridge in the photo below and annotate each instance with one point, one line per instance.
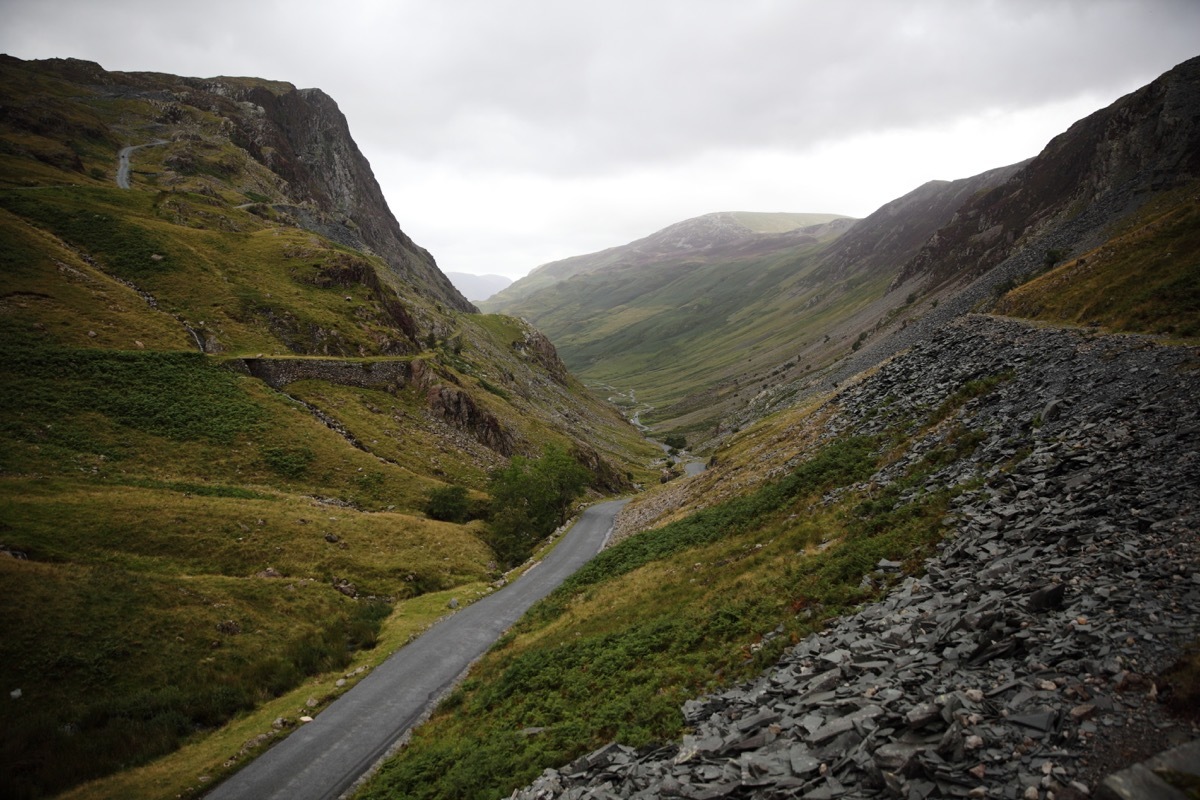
(875, 279)
(691, 237)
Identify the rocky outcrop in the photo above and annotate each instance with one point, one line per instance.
(455, 406)
(299, 135)
(304, 138)
(537, 347)
(1148, 141)
(897, 230)
(448, 403)
(1068, 578)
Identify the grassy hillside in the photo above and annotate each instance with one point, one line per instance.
(694, 339)
(695, 320)
(1145, 279)
(190, 552)
(780, 221)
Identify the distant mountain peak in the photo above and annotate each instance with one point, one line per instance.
(698, 237)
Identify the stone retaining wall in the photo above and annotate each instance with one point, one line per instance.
(279, 372)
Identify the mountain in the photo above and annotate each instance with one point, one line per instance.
(919, 571)
(225, 416)
(691, 321)
(706, 338)
(478, 287)
(230, 395)
(1101, 169)
(699, 237)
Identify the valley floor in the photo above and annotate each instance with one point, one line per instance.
(1027, 661)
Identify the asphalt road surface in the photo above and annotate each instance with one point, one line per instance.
(323, 758)
(123, 161)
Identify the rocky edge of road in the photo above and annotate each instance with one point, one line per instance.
(1022, 662)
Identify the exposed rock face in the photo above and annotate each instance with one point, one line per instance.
(303, 137)
(448, 403)
(299, 135)
(897, 230)
(540, 349)
(460, 409)
(1069, 577)
(1147, 141)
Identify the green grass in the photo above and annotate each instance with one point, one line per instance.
(176, 395)
(1145, 279)
(131, 251)
(120, 617)
(147, 662)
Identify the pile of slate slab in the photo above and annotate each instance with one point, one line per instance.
(1069, 575)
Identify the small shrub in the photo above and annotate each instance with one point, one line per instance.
(1053, 256)
(448, 504)
(675, 442)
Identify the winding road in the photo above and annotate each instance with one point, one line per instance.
(324, 758)
(123, 161)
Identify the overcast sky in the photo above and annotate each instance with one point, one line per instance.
(510, 133)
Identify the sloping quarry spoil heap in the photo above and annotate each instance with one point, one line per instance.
(1021, 663)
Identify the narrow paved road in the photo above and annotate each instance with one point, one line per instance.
(123, 161)
(323, 758)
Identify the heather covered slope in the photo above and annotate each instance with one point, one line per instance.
(227, 396)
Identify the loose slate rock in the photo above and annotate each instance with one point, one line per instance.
(1068, 568)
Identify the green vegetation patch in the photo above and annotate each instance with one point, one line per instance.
(1144, 280)
(84, 218)
(142, 615)
(46, 393)
(841, 463)
(151, 660)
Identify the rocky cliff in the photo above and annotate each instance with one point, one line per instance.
(304, 160)
(897, 230)
(1098, 170)
(303, 137)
